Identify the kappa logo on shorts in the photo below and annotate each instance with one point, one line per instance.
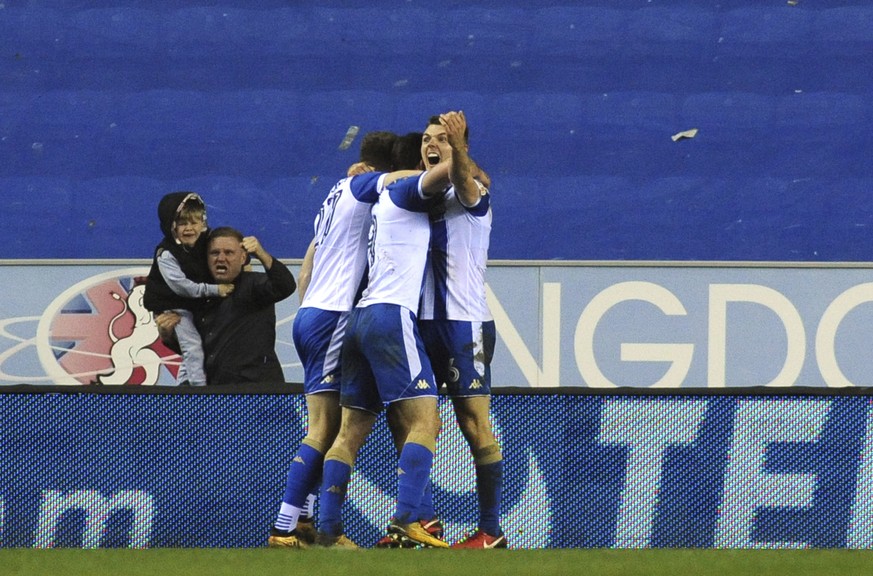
(475, 384)
(328, 379)
(422, 385)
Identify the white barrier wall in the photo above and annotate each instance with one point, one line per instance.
(599, 325)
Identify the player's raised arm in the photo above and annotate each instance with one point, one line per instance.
(463, 170)
(435, 181)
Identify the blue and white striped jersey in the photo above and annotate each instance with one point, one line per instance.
(454, 287)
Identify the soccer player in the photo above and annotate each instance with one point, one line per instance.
(456, 324)
(330, 277)
(384, 361)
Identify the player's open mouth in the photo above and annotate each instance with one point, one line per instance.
(433, 159)
(221, 269)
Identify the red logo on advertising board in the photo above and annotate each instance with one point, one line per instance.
(99, 332)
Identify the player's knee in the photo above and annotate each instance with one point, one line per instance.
(342, 452)
(422, 437)
(472, 409)
(426, 427)
(487, 454)
(323, 431)
(477, 430)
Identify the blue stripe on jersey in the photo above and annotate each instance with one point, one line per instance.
(404, 193)
(363, 187)
(481, 208)
(439, 263)
(410, 344)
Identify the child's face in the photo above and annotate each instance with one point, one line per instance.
(187, 230)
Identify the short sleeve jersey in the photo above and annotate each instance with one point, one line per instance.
(341, 234)
(454, 287)
(399, 238)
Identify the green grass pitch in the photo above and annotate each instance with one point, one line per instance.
(325, 562)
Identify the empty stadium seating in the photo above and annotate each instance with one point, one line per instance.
(107, 105)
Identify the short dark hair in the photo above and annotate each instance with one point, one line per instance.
(406, 153)
(376, 149)
(436, 120)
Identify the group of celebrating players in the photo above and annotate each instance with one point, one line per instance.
(393, 307)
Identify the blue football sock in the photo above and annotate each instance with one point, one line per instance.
(414, 468)
(334, 486)
(301, 481)
(426, 509)
(303, 475)
(489, 485)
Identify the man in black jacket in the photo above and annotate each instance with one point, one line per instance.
(239, 331)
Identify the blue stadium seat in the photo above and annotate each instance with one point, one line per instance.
(658, 33)
(770, 31)
(537, 132)
(671, 24)
(328, 117)
(824, 109)
(412, 111)
(329, 114)
(636, 111)
(36, 214)
(100, 30)
(70, 112)
(515, 208)
(15, 113)
(729, 115)
(842, 25)
(65, 132)
(579, 29)
(26, 30)
(542, 114)
(34, 196)
(254, 114)
(339, 30)
(167, 115)
(122, 207)
(483, 31)
(294, 202)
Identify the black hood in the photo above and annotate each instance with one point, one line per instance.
(170, 206)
